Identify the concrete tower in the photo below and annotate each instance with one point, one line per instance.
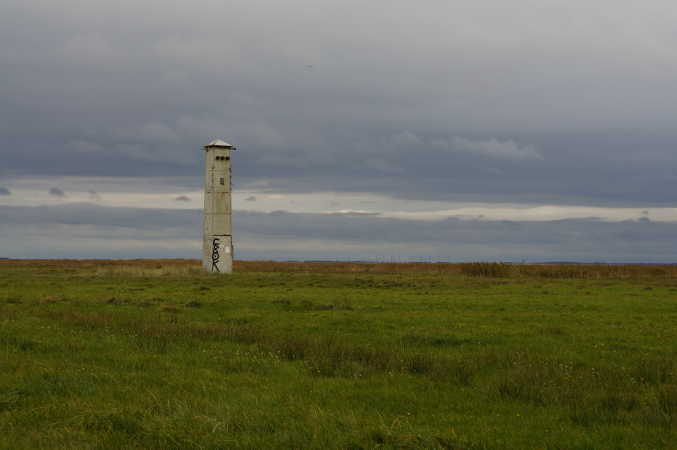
(217, 248)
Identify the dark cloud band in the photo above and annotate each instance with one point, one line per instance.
(94, 231)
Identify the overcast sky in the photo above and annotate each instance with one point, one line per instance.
(441, 130)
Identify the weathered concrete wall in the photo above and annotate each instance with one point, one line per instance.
(217, 250)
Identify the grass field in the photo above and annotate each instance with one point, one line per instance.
(156, 354)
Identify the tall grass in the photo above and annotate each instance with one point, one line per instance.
(644, 391)
(158, 354)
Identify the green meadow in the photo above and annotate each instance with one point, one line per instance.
(158, 355)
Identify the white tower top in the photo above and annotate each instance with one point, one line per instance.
(219, 143)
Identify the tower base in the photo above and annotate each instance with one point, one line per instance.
(217, 254)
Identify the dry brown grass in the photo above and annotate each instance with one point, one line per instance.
(346, 267)
(191, 267)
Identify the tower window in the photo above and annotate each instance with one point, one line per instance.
(222, 181)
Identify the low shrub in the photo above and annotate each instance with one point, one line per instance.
(486, 269)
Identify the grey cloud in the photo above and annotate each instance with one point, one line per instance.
(5, 191)
(251, 198)
(484, 102)
(90, 214)
(86, 148)
(355, 213)
(56, 192)
(89, 230)
(494, 147)
(182, 198)
(491, 147)
(94, 195)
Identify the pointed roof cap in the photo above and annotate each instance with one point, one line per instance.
(218, 143)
